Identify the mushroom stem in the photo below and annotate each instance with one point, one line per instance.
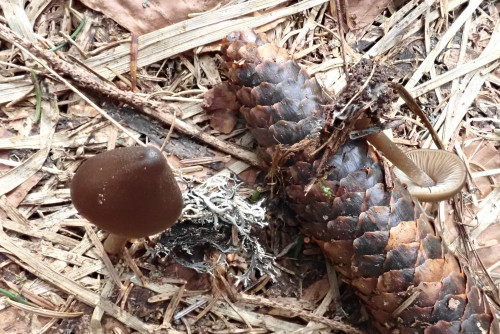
(394, 154)
(114, 243)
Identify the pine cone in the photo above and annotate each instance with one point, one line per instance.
(377, 235)
(388, 250)
(281, 103)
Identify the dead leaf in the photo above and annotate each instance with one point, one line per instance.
(221, 106)
(363, 12)
(16, 196)
(144, 16)
(489, 251)
(316, 291)
(482, 156)
(83, 111)
(13, 321)
(223, 121)
(196, 281)
(249, 175)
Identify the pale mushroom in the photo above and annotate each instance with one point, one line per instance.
(430, 175)
(445, 168)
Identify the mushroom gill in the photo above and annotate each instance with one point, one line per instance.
(443, 167)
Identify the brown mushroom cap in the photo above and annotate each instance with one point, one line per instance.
(130, 192)
(445, 168)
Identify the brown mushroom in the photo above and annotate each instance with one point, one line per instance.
(445, 168)
(130, 192)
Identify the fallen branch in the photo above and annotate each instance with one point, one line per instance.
(161, 111)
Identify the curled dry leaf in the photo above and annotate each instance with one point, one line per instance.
(361, 13)
(83, 111)
(315, 292)
(221, 105)
(141, 17)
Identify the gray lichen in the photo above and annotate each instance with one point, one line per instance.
(211, 212)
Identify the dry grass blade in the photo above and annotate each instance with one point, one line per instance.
(19, 42)
(192, 33)
(155, 110)
(448, 60)
(17, 18)
(14, 177)
(67, 285)
(455, 73)
(52, 321)
(169, 312)
(37, 300)
(222, 309)
(312, 317)
(104, 256)
(443, 42)
(95, 320)
(43, 312)
(400, 22)
(394, 35)
(17, 88)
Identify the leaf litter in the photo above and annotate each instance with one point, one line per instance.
(45, 248)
